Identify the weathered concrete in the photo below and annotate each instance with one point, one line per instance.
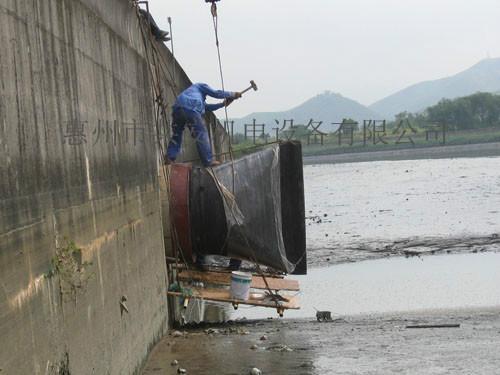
(66, 64)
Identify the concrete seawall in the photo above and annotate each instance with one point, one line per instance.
(79, 164)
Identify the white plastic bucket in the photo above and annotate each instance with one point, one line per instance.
(240, 285)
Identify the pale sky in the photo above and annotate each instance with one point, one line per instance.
(362, 49)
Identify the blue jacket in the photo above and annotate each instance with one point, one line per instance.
(193, 98)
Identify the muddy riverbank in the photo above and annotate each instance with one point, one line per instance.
(373, 305)
(370, 210)
(349, 345)
(437, 152)
(338, 253)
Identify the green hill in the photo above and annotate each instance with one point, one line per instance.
(327, 107)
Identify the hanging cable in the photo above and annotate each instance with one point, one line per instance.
(156, 68)
(172, 47)
(215, 20)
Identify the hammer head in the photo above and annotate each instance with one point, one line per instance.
(254, 85)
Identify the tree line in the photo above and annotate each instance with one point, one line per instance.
(480, 110)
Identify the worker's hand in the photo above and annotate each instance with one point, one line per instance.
(228, 101)
(237, 95)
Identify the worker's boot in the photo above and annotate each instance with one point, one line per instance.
(168, 161)
(162, 35)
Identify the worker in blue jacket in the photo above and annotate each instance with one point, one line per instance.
(189, 109)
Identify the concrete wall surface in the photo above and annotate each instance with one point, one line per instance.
(82, 256)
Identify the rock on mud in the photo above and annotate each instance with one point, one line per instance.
(177, 334)
(279, 348)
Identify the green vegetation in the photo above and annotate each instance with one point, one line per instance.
(67, 264)
(481, 110)
(331, 146)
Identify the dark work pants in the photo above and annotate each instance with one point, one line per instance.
(196, 124)
(155, 30)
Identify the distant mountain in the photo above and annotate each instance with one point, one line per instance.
(327, 107)
(484, 77)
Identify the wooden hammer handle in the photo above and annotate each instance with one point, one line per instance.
(244, 91)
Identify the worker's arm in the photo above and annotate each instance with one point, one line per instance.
(218, 94)
(215, 107)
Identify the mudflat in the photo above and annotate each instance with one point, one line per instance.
(367, 344)
(413, 207)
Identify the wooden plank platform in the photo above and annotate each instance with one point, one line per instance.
(224, 295)
(224, 278)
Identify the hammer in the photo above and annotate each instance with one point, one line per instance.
(253, 86)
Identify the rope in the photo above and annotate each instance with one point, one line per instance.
(172, 48)
(156, 66)
(160, 66)
(222, 189)
(160, 112)
(215, 20)
(227, 195)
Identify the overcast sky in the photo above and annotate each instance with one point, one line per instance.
(362, 49)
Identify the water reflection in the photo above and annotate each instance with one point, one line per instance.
(397, 284)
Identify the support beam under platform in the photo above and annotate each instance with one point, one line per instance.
(224, 295)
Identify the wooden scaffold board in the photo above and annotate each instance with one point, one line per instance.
(219, 291)
(224, 278)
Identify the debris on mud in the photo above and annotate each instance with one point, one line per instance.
(279, 348)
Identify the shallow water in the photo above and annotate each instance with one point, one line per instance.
(370, 210)
(355, 210)
(397, 285)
